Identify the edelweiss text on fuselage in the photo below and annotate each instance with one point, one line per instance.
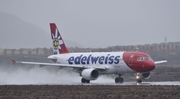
(90, 59)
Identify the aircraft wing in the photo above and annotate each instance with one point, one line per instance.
(160, 62)
(58, 65)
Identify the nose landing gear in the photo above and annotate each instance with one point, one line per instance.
(138, 78)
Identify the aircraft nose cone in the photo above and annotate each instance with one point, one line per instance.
(150, 65)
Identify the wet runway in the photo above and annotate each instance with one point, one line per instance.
(53, 76)
(143, 83)
(125, 83)
(105, 83)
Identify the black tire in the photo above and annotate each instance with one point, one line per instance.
(139, 81)
(121, 80)
(83, 80)
(87, 81)
(117, 80)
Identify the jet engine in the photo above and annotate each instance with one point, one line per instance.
(145, 75)
(90, 74)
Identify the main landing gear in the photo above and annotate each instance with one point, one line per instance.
(119, 79)
(138, 78)
(84, 80)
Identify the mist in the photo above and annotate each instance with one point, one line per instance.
(34, 75)
(94, 23)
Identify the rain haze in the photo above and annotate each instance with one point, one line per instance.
(19, 75)
(82, 23)
(93, 23)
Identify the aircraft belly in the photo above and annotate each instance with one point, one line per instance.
(117, 69)
(123, 69)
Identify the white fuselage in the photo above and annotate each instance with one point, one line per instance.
(113, 61)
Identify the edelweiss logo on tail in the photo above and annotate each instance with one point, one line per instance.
(58, 44)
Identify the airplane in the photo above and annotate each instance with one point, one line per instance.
(90, 65)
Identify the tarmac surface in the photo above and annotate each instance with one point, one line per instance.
(100, 81)
(128, 83)
(176, 83)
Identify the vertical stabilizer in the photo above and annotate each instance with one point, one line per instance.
(59, 46)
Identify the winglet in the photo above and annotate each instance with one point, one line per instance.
(13, 61)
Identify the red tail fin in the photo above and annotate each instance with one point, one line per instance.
(59, 46)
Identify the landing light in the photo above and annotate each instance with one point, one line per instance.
(137, 77)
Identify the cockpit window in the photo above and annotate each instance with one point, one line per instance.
(144, 58)
(140, 58)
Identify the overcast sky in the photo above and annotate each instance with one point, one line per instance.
(102, 23)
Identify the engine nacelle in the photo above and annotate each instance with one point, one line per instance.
(90, 74)
(145, 75)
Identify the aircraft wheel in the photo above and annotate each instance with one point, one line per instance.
(87, 81)
(139, 80)
(84, 80)
(117, 80)
(121, 80)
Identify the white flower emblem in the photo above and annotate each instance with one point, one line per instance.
(57, 41)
